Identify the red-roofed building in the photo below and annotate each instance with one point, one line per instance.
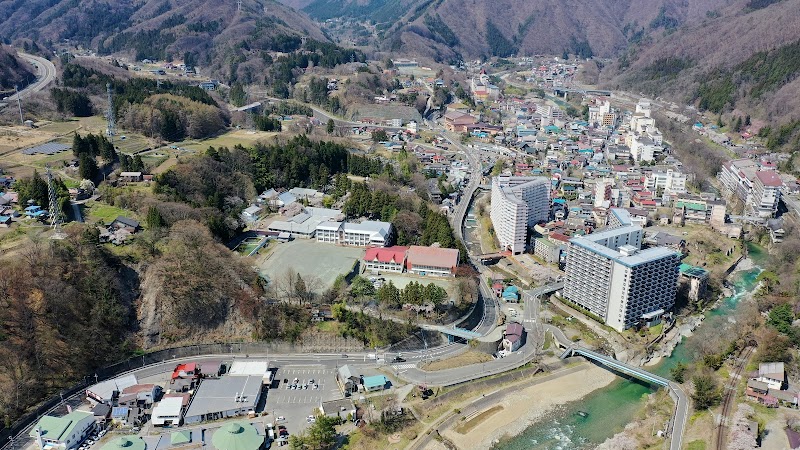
(431, 260)
(188, 370)
(558, 238)
(385, 259)
(513, 336)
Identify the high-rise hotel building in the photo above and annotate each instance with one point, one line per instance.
(608, 274)
(517, 204)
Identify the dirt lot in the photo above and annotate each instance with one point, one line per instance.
(319, 264)
(464, 359)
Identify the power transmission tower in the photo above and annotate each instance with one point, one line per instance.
(239, 5)
(55, 209)
(111, 129)
(19, 105)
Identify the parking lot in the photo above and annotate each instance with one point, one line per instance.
(295, 405)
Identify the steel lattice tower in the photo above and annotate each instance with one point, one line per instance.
(111, 129)
(55, 209)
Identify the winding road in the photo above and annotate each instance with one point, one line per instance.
(45, 74)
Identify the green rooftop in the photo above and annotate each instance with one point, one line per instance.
(692, 271)
(180, 437)
(690, 205)
(375, 381)
(125, 443)
(237, 436)
(58, 428)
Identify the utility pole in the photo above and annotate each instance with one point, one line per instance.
(19, 105)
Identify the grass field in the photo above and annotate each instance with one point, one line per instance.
(132, 144)
(61, 127)
(97, 211)
(230, 139)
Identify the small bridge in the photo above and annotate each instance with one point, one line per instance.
(492, 256)
(546, 289)
(454, 333)
(616, 365)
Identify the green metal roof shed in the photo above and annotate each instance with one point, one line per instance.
(376, 382)
(60, 428)
(125, 443)
(237, 436)
(180, 437)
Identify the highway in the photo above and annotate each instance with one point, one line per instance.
(45, 74)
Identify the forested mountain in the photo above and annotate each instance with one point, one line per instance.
(445, 29)
(231, 43)
(13, 70)
(746, 56)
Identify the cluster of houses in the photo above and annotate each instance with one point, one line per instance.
(193, 394)
(769, 386)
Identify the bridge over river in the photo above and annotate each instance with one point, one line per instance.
(678, 421)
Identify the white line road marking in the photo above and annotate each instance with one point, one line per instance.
(404, 366)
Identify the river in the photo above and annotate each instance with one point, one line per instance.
(611, 408)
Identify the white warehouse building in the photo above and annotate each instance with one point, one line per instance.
(517, 204)
(608, 274)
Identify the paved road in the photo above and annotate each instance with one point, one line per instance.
(45, 74)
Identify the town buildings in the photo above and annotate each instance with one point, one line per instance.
(669, 181)
(518, 203)
(756, 184)
(213, 400)
(608, 274)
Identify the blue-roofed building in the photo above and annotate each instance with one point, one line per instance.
(119, 414)
(375, 383)
(511, 294)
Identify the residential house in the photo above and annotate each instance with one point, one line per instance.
(375, 383)
(101, 413)
(143, 394)
(187, 371)
(131, 177)
(250, 214)
(773, 374)
(347, 381)
(513, 336)
(107, 391)
(344, 409)
(124, 223)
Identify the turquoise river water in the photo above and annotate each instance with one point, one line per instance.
(611, 408)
